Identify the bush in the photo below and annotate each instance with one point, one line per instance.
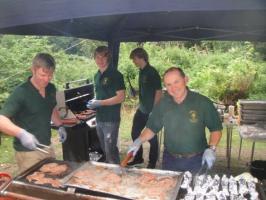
(216, 69)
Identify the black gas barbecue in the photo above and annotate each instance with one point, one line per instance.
(82, 138)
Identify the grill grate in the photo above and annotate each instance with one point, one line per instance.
(252, 112)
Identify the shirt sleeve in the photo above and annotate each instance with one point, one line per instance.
(157, 81)
(120, 84)
(13, 104)
(212, 118)
(155, 121)
(53, 91)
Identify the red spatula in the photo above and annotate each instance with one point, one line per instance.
(126, 159)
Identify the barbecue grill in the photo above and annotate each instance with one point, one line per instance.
(82, 138)
(20, 187)
(252, 112)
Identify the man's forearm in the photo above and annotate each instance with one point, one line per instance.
(8, 127)
(119, 98)
(56, 118)
(146, 135)
(215, 137)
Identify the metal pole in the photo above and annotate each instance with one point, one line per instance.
(240, 148)
(252, 151)
(229, 131)
(114, 47)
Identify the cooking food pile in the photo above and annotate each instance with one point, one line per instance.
(135, 185)
(221, 188)
(84, 114)
(49, 174)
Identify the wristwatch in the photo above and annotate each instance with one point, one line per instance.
(212, 147)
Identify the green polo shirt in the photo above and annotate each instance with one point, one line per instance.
(184, 124)
(30, 111)
(149, 82)
(106, 86)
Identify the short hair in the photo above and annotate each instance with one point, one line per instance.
(44, 60)
(104, 51)
(140, 53)
(172, 69)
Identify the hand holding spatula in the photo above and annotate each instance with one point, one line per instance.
(123, 164)
(126, 159)
(130, 154)
(135, 146)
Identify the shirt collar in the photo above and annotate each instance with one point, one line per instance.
(145, 68)
(108, 69)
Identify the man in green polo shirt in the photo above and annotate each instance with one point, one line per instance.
(150, 90)
(28, 111)
(110, 93)
(184, 115)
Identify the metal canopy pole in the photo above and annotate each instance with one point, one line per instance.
(114, 47)
(114, 41)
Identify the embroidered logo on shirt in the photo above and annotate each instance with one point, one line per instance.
(144, 79)
(105, 81)
(193, 116)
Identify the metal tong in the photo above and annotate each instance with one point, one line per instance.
(203, 170)
(42, 150)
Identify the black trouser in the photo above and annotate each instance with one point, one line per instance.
(139, 122)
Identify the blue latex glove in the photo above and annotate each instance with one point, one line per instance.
(62, 134)
(209, 158)
(92, 104)
(135, 146)
(27, 139)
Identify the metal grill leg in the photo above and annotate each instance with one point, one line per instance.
(252, 151)
(227, 146)
(229, 130)
(240, 148)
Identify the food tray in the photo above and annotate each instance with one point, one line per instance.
(132, 183)
(22, 178)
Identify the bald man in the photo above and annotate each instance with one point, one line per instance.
(184, 115)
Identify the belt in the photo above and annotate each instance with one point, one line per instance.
(185, 155)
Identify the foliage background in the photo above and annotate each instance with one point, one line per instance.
(224, 71)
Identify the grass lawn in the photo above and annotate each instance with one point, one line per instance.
(7, 152)
(7, 161)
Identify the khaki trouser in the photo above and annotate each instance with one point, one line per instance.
(25, 159)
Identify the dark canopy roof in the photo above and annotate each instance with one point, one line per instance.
(136, 20)
(132, 20)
